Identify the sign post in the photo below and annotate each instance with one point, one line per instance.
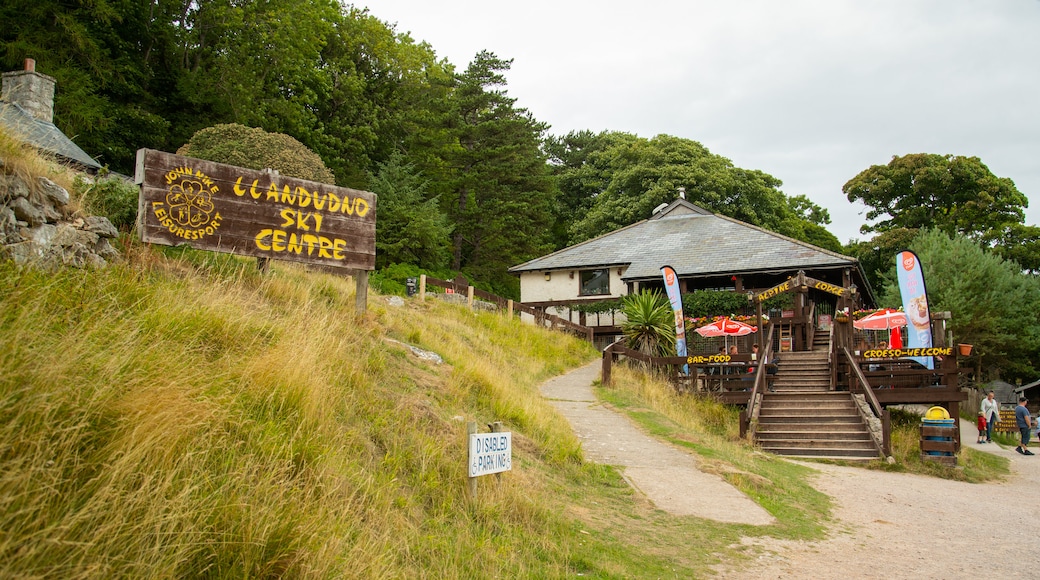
(488, 453)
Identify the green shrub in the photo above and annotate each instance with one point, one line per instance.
(254, 148)
(713, 303)
(112, 197)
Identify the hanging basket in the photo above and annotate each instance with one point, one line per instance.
(964, 349)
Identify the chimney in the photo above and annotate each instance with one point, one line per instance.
(30, 90)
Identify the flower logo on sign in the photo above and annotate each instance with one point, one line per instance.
(190, 203)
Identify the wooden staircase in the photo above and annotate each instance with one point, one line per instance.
(800, 416)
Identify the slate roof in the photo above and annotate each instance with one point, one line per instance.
(696, 243)
(1024, 388)
(1003, 392)
(42, 135)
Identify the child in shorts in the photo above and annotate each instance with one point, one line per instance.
(982, 428)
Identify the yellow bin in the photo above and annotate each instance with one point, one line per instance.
(936, 413)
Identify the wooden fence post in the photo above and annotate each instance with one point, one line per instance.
(496, 427)
(509, 308)
(605, 367)
(361, 292)
(422, 287)
(886, 432)
(469, 297)
(471, 429)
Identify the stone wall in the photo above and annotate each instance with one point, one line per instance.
(37, 226)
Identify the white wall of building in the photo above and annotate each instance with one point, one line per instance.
(562, 286)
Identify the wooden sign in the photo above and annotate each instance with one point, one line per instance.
(223, 208)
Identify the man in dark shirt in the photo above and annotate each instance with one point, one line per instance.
(1024, 423)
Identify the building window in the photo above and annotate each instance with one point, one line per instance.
(595, 282)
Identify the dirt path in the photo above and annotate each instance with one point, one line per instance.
(892, 525)
(667, 475)
(887, 525)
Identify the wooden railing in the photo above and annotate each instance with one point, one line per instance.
(461, 286)
(810, 329)
(729, 381)
(858, 383)
(749, 418)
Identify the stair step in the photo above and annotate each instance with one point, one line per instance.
(771, 418)
(808, 412)
(829, 395)
(838, 429)
(824, 453)
(787, 435)
(806, 402)
(785, 381)
(830, 444)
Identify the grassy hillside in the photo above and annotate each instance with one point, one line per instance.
(184, 416)
(170, 418)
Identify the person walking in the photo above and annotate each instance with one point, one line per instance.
(991, 411)
(1025, 422)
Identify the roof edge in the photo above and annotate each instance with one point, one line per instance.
(525, 266)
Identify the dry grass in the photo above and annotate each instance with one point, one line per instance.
(178, 417)
(23, 161)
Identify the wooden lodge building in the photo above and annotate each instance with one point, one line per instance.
(823, 390)
(707, 251)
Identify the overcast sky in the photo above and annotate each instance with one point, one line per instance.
(811, 92)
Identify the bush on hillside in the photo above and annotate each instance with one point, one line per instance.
(254, 148)
(110, 196)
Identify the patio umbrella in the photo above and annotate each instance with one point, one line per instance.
(725, 327)
(884, 319)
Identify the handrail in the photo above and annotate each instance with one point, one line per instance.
(868, 392)
(872, 402)
(811, 333)
(760, 379)
(539, 315)
(830, 358)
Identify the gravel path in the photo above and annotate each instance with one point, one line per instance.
(892, 525)
(667, 475)
(887, 525)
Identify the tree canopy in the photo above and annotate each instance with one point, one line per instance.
(992, 303)
(616, 179)
(955, 194)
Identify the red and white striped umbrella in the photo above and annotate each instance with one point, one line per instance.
(884, 319)
(726, 327)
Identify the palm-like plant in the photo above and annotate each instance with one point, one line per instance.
(650, 324)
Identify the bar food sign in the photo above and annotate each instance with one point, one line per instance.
(223, 208)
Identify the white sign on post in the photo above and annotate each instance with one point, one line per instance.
(490, 453)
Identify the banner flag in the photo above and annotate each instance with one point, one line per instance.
(671, 287)
(915, 304)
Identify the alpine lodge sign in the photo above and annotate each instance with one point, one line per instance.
(222, 208)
